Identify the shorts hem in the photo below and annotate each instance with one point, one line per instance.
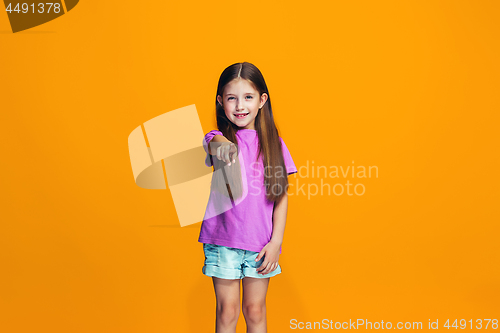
(251, 272)
(221, 273)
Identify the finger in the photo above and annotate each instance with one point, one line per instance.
(272, 268)
(219, 152)
(261, 253)
(226, 155)
(263, 266)
(268, 269)
(234, 152)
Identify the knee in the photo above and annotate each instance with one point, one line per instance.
(228, 313)
(255, 313)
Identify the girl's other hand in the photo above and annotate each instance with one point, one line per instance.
(227, 152)
(272, 254)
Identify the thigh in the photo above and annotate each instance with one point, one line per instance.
(227, 291)
(255, 290)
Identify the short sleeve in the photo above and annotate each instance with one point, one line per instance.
(208, 137)
(289, 164)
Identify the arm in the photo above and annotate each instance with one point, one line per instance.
(272, 249)
(279, 219)
(226, 153)
(212, 145)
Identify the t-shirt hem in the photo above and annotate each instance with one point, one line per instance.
(230, 243)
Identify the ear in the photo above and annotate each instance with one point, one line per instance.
(219, 99)
(263, 99)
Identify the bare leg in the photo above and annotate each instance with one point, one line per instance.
(254, 304)
(227, 293)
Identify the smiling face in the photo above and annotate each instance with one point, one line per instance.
(241, 103)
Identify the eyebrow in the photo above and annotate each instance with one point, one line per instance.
(243, 94)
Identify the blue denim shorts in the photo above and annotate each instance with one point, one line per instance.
(231, 263)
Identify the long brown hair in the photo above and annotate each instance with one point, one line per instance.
(275, 174)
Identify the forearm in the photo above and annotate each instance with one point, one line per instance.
(279, 219)
(215, 143)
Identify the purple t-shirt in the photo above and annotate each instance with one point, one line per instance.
(248, 224)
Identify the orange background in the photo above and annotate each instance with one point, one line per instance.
(410, 87)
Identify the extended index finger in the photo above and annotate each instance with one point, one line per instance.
(227, 150)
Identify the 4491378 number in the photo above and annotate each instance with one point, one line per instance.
(479, 324)
(39, 8)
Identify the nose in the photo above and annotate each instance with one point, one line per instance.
(240, 105)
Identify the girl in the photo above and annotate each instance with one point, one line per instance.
(244, 223)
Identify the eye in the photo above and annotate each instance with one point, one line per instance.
(250, 97)
(229, 98)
